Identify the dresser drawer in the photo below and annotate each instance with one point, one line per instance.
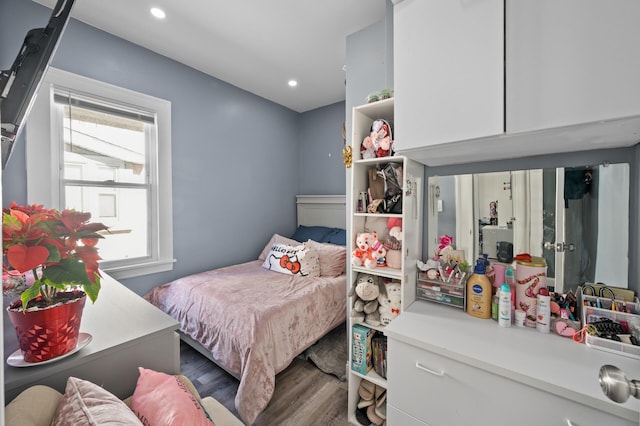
(397, 417)
(442, 392)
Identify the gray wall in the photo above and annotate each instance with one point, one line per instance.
(236, 157)
(321, 168)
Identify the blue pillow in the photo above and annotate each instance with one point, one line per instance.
(315, 233)
(336, 236)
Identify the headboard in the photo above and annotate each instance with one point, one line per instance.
(322, 210)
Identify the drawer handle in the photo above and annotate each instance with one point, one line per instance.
(428, 370)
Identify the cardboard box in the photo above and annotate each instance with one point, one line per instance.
(361, 361)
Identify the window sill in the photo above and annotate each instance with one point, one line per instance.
(145, 268)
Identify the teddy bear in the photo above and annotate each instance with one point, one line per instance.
(365, 292)
(369, 252)
(394, 243)
(378, 143)
(390, 302)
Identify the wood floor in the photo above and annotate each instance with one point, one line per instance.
(304, 395)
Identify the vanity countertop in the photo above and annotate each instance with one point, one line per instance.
(547, 362)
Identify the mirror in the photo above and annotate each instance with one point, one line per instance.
(576, 218)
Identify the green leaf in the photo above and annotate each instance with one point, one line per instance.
(92, 289)
(54, 253)
(30, 294)
(68, 271)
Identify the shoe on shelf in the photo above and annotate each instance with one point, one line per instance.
(381, 410)
(373, 417)
(366, 389)
(361, 417)
(364, 403)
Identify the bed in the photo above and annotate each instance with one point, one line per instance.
(253, 321)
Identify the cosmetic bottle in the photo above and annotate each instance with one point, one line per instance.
(543, 315)
(510, 278)
(504, 307)
(479, 292)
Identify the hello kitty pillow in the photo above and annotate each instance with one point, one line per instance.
(300, 260)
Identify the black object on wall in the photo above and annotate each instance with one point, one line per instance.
(19, 85)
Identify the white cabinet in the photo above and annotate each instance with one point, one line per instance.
(448, 368)
(362, 221)
(570, 62)
(448, 71)
(441, 392)
(488, 80)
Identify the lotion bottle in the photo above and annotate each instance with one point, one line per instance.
(510, 279)
(504, 307)
(479, 292)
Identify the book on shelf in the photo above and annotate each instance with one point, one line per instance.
(361, 354)
(379, 354)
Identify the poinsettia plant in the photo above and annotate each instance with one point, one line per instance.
(58, 247)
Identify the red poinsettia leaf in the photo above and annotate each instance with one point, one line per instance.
(89, 256)
(90, 242)
(73, 219)
(24, 259)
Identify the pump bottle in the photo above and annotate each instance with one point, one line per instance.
(479, 292)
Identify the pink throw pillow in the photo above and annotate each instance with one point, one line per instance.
(333, 258)
(162, 399)
(85, 403)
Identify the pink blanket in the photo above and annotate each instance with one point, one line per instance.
(254, 321)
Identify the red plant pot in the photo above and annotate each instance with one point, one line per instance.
(49, 332)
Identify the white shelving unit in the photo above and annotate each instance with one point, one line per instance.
(412, 185)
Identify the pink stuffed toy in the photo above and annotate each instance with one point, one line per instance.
(369, 252)
(379, 142)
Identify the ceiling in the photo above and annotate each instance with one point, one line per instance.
(256, 45)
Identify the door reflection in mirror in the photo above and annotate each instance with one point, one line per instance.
(576, 218)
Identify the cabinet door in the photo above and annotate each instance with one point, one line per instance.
(448, 71)
(571, 61)
(441, 391)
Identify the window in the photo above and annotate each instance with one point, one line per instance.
(106, 151)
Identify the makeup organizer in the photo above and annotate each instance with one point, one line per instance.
(615, 324)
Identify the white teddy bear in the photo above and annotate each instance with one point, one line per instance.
(390, 304)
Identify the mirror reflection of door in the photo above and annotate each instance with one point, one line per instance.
(593, 227)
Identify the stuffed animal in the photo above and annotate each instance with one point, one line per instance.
(379, 142)
(395, 232)
(394, 243)
(369, 252)
(390, 302)
(365, 292)
(445, 248)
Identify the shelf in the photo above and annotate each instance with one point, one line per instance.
(389, 159)
(382, 271)
(362, 221)
(379, 328)
(373, 377)
(376, 109)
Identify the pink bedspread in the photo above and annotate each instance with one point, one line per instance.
(254, 321)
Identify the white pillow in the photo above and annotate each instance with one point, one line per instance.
(276, 238)
(293, 260)
(333, 258)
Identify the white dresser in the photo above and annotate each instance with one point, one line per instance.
(128, 332)
(447, 368)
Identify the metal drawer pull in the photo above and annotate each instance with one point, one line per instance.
(569, 422)
(428, 370)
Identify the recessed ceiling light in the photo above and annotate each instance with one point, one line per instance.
(292, 83)
(158, 13)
